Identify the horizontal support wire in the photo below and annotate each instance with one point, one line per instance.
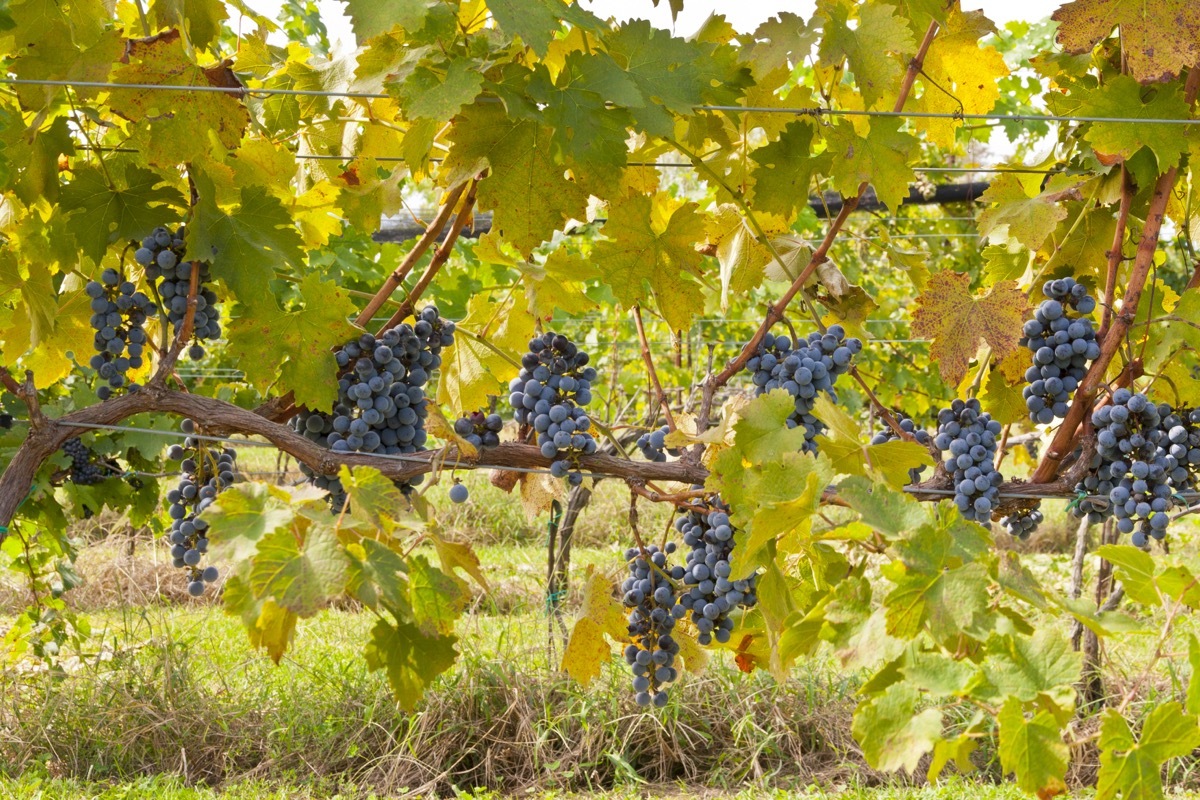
(814, 111)
(1187, 496)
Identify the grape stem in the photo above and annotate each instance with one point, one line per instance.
(776, 311)
(28, 394)
(439, 258)
(660, 396)
(1116, 254)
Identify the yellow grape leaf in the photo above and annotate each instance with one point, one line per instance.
(459, 555)
(650, 247)
(740, 254)
(1158, 39)
(871, 47)
(1029, 219)
(537, 491)
(180, 122)
(958, 321)
(960, 75)
(559, 283)
(880, 158)
(601, 614)
(471, 370)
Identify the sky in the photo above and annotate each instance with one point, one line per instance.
(744, 15)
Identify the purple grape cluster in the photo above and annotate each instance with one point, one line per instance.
(653, 445)
(650, 596)
(713, 592)
(163, 257)
(811, 367)
(119, 314)
(1063, 342)
(206, 471)
(480, 429)
(969, 435)
(549, 395)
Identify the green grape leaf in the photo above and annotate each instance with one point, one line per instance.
(54, 56)
(959, 321)
(472, 371)
(535, 21)
(946, 601)
(1132, 767)
(437, 599)
(1122, 96)
(761, 434)
(438, 92)
(600, 615)
(528, 192)
(245, 245)
(411, 660)
(243, 514)
(109, 214)
(1135, 570)
(1030, 219)
(1003, 399)
(892, 734)
(1158, 39)
(785, 40)
(872, 47)
(938, 674)
(300, 575)
(558, 284)
(892, 513)
(181, 122)
(378, 574)
(1005, 262)
(1193, 689)
(1082, 249)
(880, 159)
(369, 18)
(1025, 667)
(842, 442)
(200, 18)
(374, 499)
(784, 170)
(1033, 749)
(292, 350)
(649, 248)
(268, 625)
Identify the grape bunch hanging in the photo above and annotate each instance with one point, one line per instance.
(1063, 343)
(119, 314)
(381, 396)
(549, 395)
(480, 429)
(812, 366)
(650, 596)
(206, 471)
(969, 436)
(162, 255)
(713, 592)
(85, 470)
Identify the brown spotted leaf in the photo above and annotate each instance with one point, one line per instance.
(958, 321)
(1158, 39)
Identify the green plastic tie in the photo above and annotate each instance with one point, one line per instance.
(1079, 498)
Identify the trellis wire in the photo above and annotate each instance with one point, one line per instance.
(813, 111)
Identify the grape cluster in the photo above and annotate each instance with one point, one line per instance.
(654, 446)
(908, 426)
(381, 395)
(1063, 342)
(713, 592)
(1182, 429)
(549, 395)
(481, 430)
(206, 471)
(6, 421)
(1023, 523)
(84, 470)
(969, 435)
(162, 255)
(650, 597)
(119, 314)
(812, 366)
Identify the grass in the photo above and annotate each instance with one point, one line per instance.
(179, 706)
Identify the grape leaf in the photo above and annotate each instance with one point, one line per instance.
(959, 321)
(242, 515)
(1193, 689)
(268, 625)
(1028, 667)
(892, 513)
(944, 601)
(600, 615)
(890, 731)
(740, 254)
(200, 18)
(471, 370)
(108, 214)
(411, 660)
(558, 283)
(245, 245)
(1121, 96)
(784, 169)
(1132, 767)
(180, 123)
(438, 92)
(373, 498)
(842, 441)
(528, 192)
(1029, 219)
(649, 249)
(54, 56)
(1158, 39)
(458, 555)
(880, 159)
(784, 40)
(535, 21)
(1135, 570)
(370, 18)
(437, 599)
(960, 75)
(871, 47)
(292, 350)
(1032, 749)
(378, 574)
(761, 433)
(299, 575)
(1003, 399)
